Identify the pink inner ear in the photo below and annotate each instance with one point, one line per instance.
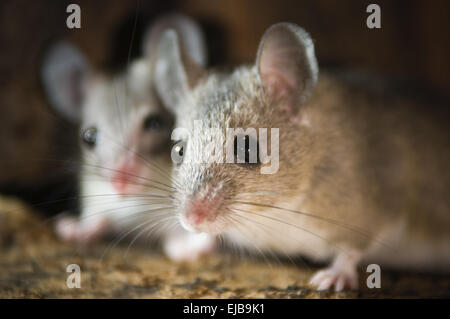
(278, 70)
(277, 86)
(287, 66)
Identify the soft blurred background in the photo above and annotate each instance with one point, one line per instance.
(413, 44)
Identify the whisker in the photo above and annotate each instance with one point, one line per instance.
(272, 231)
(261, 252)
(350, 227)
(152, 219)
(107, 169)
(122, 236)
(132, 198)
(236, 214)
(126, 216)
(148, 228)
(293, 225)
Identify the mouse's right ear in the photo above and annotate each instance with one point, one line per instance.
(175, 72)
(63, 74)
(287, 65)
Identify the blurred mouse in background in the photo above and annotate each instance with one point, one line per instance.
(124, 174)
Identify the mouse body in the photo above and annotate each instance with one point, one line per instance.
(124, 132)
(318, 169)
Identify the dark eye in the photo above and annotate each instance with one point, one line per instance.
(154, 122)
(246, 150)
(89, 136)
(177, 153)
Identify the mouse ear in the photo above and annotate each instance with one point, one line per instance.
(64, 72)
(287, 64)
(175, 73)
(191, 37)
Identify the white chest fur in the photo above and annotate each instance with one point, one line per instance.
(281, 232)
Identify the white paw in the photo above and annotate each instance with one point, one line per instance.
(342, 274)
(339, 278)
(72, 229)
(188, 247)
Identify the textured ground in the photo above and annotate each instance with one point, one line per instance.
(33, 265)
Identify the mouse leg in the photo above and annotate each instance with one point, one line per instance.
(81, 230)
(341, 274)
(188, 246)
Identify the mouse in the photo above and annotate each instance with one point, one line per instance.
(124, 139)
(275, 159)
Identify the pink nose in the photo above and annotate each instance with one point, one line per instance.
(124, 176)
(119, 182)
(204, 209)
(198, 212)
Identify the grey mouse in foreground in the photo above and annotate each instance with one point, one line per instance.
(317, 170)
(125, 142)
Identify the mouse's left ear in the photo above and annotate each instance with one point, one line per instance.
(65, 74)
(287, 64)
(192, 39)
(175, 72)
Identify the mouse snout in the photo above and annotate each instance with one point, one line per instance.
(125, 178)
(202, 212)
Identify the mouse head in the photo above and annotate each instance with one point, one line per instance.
(264, 155)
(123, 126)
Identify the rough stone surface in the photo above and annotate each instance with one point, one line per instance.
(33, 265)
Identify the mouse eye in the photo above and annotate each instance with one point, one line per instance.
(154, 122)
(178, 151)
(89, 136)
(246, 150)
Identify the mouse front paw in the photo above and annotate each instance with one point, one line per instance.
(188, 247)
(75, 230)
(342, 274)
(327, 278)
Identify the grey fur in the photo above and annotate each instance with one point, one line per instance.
(63, 73)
